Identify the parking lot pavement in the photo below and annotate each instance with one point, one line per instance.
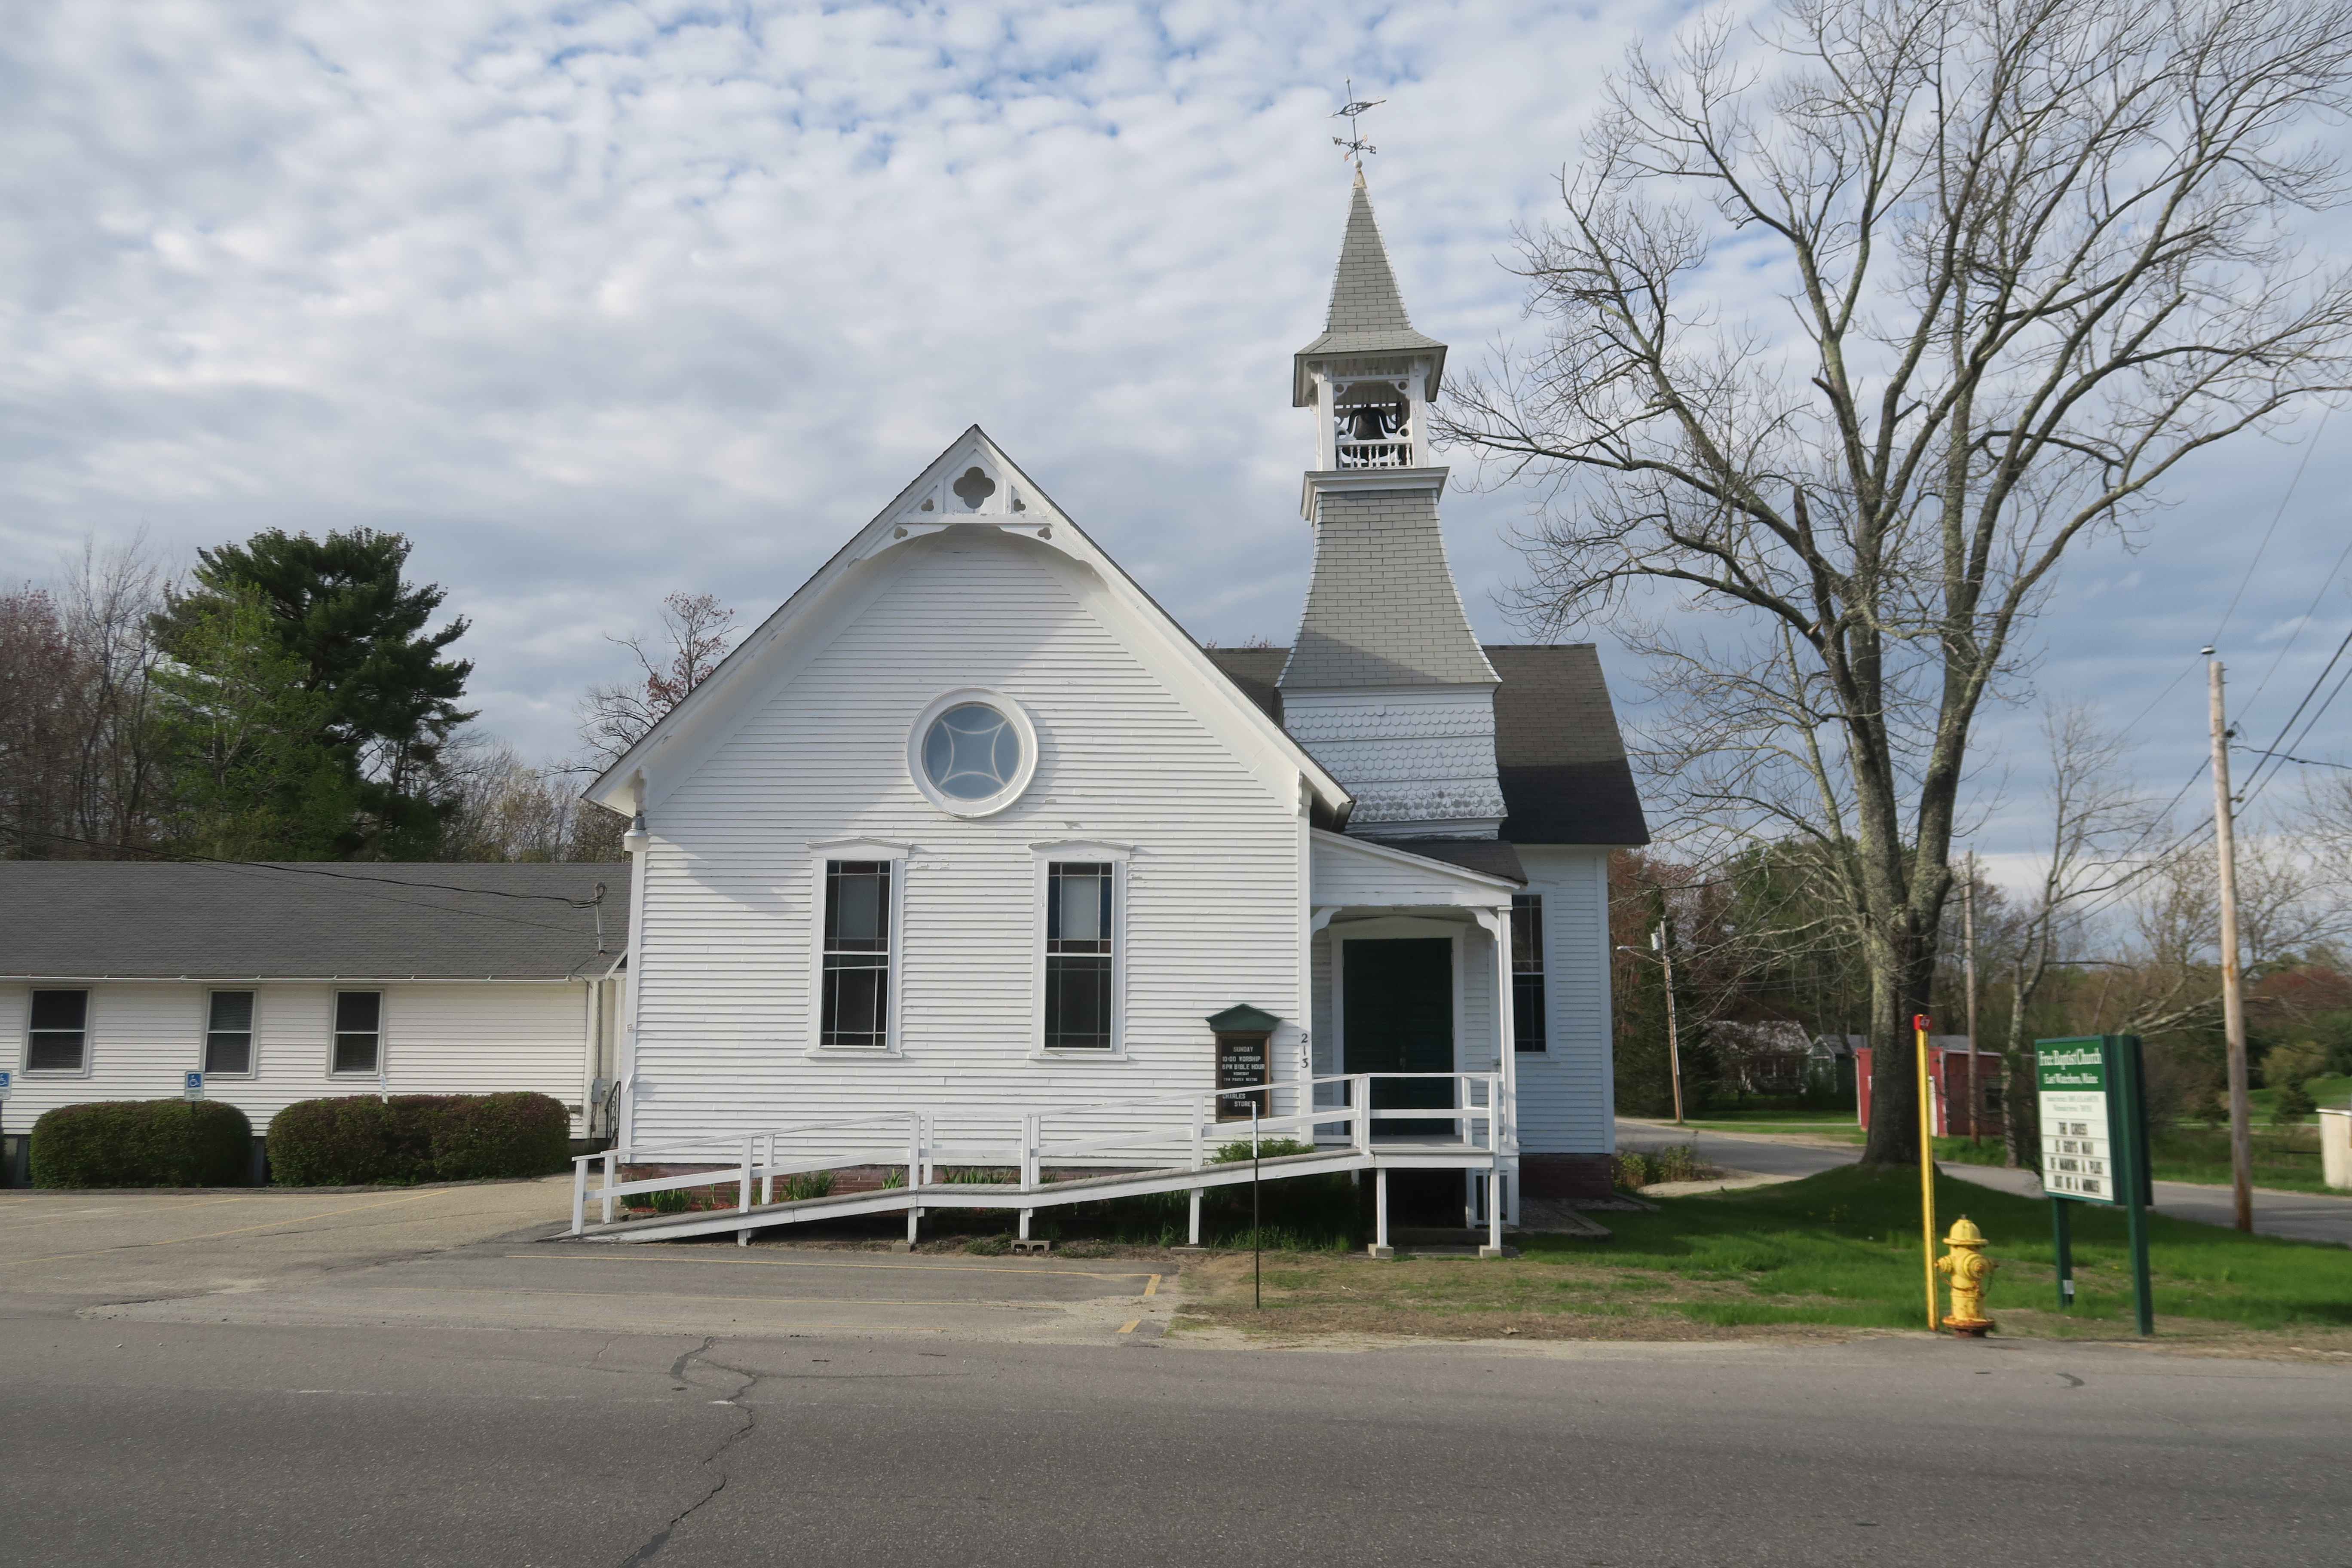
(709, 1288)
(71, 1250)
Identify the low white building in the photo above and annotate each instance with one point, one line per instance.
(281, 983)
(970, 826)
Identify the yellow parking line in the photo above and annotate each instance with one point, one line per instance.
(778, 1300)
(811, 1263)
(212, 1234)
(1131, 1328)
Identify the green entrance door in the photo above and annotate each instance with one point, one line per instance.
(1397, 1007)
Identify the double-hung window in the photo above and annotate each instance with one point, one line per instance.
(857, 977)
(228, 1032)
(1079, 932)
(359, 1031)
(1527, 971)
(58, 1037)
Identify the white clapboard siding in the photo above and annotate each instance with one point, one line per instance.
(439, 1037)
(732, 907)
(1567, 1092)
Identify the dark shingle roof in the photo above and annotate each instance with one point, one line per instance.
(89, 918)
(1561, 760)
(1495, 856)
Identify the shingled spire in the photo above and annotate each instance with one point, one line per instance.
(1368, 315)
(1386, 683)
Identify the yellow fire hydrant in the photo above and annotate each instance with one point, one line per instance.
(1969, 1271)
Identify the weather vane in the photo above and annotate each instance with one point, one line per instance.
(1353, 141)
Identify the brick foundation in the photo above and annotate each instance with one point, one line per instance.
(1564, 1175)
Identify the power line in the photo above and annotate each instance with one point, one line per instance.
(2254, 785)
(2309, 447)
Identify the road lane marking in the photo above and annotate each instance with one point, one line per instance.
(213, 1235)
(1130, 1327)
(1153, 1289)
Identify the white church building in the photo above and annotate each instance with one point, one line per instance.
(971, 836)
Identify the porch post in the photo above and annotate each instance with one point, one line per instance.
(1192, 1230)
(1380, 1247)
(1502, 1132)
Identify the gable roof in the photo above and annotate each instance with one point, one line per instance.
(937, 500)
(91, 920)
(1366, 315)
(1557, 752)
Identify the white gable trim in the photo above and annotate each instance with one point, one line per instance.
(1401, 876)
(862, 568)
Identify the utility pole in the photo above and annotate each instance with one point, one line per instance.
(1662, 939)
(2233, 1000)
(1968, 983)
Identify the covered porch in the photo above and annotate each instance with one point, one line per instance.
(1411, 1003)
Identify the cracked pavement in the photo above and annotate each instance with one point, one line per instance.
(345, 1380)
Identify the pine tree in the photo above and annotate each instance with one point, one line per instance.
(357, 630)
(240, 736)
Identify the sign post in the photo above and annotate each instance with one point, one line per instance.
(1927, 1166)
(2095, 1148)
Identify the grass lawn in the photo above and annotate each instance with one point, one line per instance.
(1836, 1251)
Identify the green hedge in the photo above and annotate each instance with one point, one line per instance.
(143, 1144)
(367, 1140)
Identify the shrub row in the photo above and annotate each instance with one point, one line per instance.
(366, 1140)
(143, 1144)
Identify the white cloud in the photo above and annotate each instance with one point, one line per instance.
(595, 300)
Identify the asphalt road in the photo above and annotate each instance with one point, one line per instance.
(2306, 1216)
(203, 1445)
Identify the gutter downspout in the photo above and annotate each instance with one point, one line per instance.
(638, 842)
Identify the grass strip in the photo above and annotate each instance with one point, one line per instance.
(1838, 1250)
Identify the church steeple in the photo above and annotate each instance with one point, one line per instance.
(1386, 683)
(1369, 372)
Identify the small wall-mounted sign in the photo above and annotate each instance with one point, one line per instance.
(7, 1084)
(1242, 1060)
(193, 1089)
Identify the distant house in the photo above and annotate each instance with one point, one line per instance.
(282, 982)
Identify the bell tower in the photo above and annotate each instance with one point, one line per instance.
(1386, 684)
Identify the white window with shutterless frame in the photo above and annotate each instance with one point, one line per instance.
(228, 1034)
(357, 1049)
(858, 900)
(1081, 951)
(56, 1033)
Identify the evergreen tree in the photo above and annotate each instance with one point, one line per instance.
(239, 734)
(340, 607)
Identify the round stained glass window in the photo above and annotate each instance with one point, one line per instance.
(971, 752)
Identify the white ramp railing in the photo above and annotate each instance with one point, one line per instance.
(1178, 1145)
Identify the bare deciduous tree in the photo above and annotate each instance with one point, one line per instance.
(699, 630)
(77, 775)
(2098, 819)
(2037, 253)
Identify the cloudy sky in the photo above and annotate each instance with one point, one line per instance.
(598, 300)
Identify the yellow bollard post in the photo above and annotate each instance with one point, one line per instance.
(1971, 1272)
(1927, 1166)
